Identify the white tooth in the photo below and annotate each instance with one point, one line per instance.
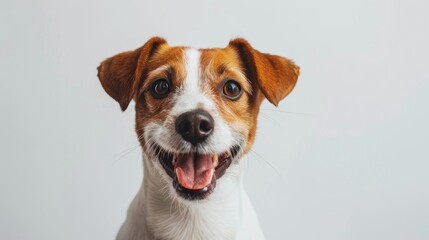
(215, 160)
(205, 189)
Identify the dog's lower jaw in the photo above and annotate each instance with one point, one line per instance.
(226, 214)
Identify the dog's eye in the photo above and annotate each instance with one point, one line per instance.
(232, 90)
(160, 88)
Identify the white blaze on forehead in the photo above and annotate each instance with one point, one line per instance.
(191, 94)
(192, 81)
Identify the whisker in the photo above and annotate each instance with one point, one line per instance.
(125, 153)
(286, 112)
(260, 157)
(266, 116)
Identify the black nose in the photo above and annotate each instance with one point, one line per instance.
(195, 126)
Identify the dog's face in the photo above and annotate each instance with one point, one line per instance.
(196, 110)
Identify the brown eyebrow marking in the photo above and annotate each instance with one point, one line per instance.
(221, 69)
(171, 72)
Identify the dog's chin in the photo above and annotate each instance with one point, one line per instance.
(194, 174)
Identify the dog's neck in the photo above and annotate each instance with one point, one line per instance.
(162, 216)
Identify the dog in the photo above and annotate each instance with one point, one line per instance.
(196, 117)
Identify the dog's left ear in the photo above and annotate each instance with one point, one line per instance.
(276, 76)
(120, 75)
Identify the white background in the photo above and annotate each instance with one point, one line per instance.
(345, 156)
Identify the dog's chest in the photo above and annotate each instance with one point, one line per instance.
(202, 222)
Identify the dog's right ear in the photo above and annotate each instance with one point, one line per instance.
(120, 75)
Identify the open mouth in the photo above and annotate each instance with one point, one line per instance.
(194, 175)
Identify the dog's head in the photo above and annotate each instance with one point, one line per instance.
(196, 110)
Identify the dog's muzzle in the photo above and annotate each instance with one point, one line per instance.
(195, 173)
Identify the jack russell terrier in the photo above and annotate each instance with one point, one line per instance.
(196, 115)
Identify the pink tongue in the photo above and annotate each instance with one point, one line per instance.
(194, 171)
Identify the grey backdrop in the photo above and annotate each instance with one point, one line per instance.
(345, 156)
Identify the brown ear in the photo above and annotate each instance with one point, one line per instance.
(276, 76)
(120, 75)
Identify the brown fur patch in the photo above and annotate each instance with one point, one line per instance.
(119, 75)
(217, 66)
(275, 76)
(169, 63)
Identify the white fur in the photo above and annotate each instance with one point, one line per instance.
(157, 212)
